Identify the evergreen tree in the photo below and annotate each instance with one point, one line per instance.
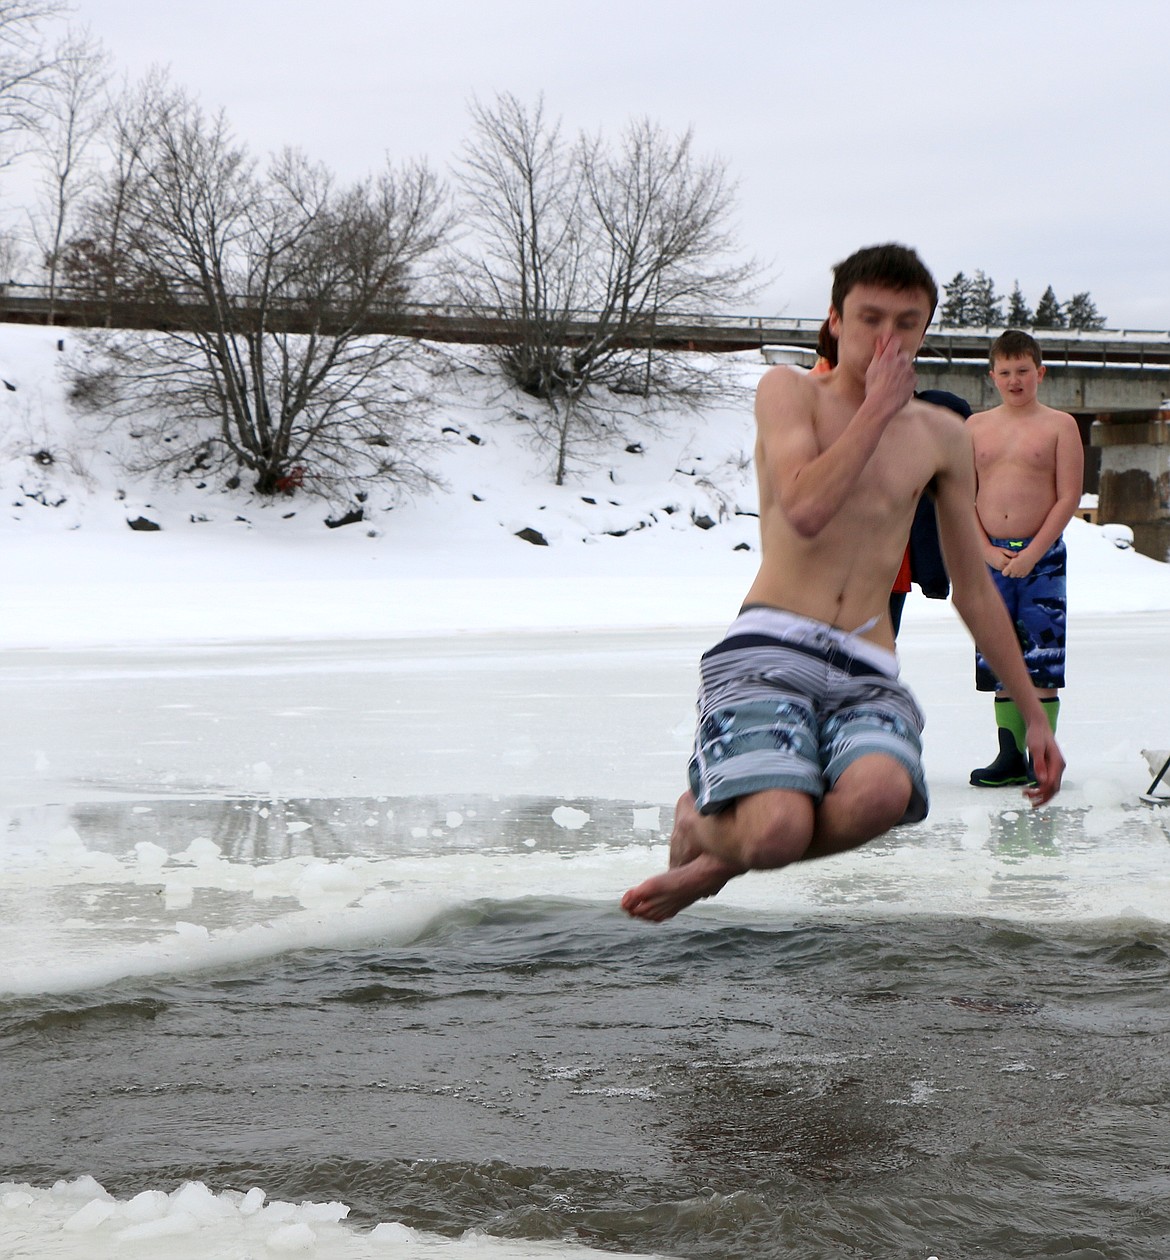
(955, 311)
(985, 308)
(1019, 314)
(1049, 312)
(1081, 312)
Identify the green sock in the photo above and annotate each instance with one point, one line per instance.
(1052, 709)
(1008, 716)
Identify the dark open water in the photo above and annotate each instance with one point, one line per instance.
(546, 1069)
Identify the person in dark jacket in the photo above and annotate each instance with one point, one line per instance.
(927, 570)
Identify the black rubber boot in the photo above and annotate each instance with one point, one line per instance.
(1009, 769)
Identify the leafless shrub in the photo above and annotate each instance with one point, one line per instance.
(264, 281)
(579, 252)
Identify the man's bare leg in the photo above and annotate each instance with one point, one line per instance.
(691, 874)
(869, 798)
(760, 831)
(767, 830)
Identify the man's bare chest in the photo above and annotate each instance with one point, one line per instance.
(896, 472)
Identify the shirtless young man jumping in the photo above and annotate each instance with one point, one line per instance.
(807, 744)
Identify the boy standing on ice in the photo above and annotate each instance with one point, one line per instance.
(1029, 466)
(807, 743)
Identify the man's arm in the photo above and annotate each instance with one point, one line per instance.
(983, 612)
(1069, 481)
(811, 485)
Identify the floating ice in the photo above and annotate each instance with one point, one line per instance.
(78, 1220)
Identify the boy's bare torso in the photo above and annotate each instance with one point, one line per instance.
(843, 575)
(1016, 463)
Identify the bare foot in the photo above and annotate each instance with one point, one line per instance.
(692, 874)
(663, 896)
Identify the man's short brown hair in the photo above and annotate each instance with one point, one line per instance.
(889, 266)
(1014, 343)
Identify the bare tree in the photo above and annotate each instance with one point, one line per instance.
(97, 261)
(581, 251)
(24, 61)
(269, 277)
(13, 257)
(525, 198)
(73, 94)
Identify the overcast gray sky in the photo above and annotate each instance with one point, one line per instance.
(1029, 138)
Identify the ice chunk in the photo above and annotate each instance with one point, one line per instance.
(80, 1190)
(252, 1202)
(333, 1211)
(173, 1225)
(151, 857)
(178, 895)
(323, 883)
(261, 773)
(96, 1212)
(649, 819)
(393, 1233)
(195, 1199)
(292, 1239)
(147, 1206)
(201, 851)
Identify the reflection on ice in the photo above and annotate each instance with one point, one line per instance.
(266, 831)
(97, 891)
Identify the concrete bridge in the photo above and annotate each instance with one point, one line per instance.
(1088, 372)
(1116, 383)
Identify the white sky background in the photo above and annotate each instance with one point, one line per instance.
(1029, 138)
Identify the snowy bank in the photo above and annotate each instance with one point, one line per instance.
(660, 531)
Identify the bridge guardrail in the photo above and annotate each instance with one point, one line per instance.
(29, 301)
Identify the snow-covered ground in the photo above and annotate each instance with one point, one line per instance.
(232, 568)
(245, 653)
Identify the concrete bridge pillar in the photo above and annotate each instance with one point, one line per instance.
(1134, 485)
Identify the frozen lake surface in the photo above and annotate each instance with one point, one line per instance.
(339, 920)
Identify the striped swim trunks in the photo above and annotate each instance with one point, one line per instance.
(789, 702)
